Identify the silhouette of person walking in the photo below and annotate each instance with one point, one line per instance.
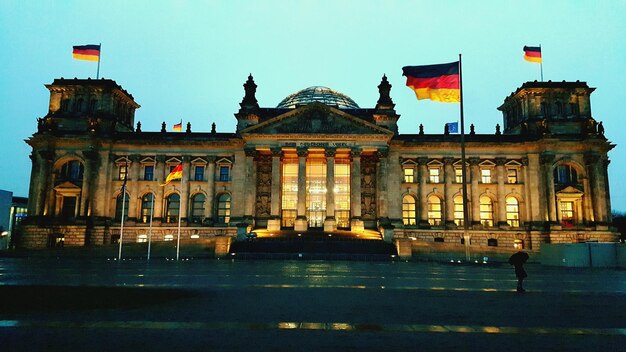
(517, 260)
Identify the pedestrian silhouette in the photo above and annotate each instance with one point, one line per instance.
(517, 260)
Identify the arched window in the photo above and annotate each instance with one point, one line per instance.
(512, 211)
(119, 208)
(197, 208)
(146, 207)
(80, 105)
(173, 207)
(223, 209)
(559, 108)
(71, 171)
(573, 109)
(434, 211)
(92, 105)
(545, 109)
(458, 211)
(565, 175)
(408, 210)
(486, 211)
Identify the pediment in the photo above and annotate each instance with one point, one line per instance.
(570, 191)
(316, 118)
(66, 186)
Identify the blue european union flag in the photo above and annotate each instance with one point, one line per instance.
(453, 127)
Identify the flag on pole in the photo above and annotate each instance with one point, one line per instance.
(532, 53)
(123, 188)
(438, 82)
(453, 127)
(178, 126)
(176, 174)
(86, 52)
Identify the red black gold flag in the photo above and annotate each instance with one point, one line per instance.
(178, 126)
(439, 82)
(86, 52)
(176, 174)
(532, 53)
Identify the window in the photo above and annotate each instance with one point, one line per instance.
(458, 175)
(65, 105)
(545, 109)
(223, 209)
(558, 107)
(119, 208)
(409, 175)
(71, 171)
(511, 175)
(168, 238)
(565, 175)
(512, 211)
(68, 207)
(439, 239)
(142, 238)
(172, 167)
(289, 196)
(433, 175)
(458, 211)
(567, 213)
(123, 172)
(146, 207)
(573, 108)
(197, 208)
(148, 172)
(173, 208)
(518, 244)
(198, 173)
(79, 106)
(408, 210)
(92, 105)
(486, 211)
(434, 211)
(485, 175)
(224, 173)
(492, 242)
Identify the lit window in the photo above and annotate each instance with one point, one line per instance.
(567, 213)
(199, 173)
(433, 175)
(518, 244)
(511, 175)
(434, 210)
(142, 238)
(485, 175)
(408, 210)
(458, 175)
(168, 238)
(458, 211)
(123, 172)
(146, 207)
(512, 212)
(224, 173)
(223, 209)
(486, 211)
(409, 175)
(148, 172)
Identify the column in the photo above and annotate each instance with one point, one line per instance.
(184, 191)
(546, 169)
(101, 192)
(449, 191)
(423, 191)
(381, 183)
(330, 223)
(250, 182)
(598, 188)
(160, 175)
(273, 224)
(34, 189)
(210, 190)
(501, 216)
(89, 181)
(356, 224)
(301, 220)
(475, 196)
(134, 202)
(528, 206)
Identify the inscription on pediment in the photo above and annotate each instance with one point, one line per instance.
(317, 121)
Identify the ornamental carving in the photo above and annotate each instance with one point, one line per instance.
(368, 188)
(264, 187)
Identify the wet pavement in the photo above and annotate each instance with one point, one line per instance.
(228, 305)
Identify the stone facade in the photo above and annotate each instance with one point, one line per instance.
(323, 164)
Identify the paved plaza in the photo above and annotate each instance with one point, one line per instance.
(62, 304)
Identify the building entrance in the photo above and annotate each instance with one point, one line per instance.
(316, 191)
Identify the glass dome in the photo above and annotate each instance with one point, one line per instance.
(323, 95)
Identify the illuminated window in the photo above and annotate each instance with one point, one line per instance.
(512, 211)
(408, 210)
(485, 175)
(123, 172)
(223, 209)
(458, 211)
(142, 238)
(458, 175)
(518, 244)
(168, 238)
(409, 175)
(289, 192)
(173, 208)
(486, 211)
(342, 192)
(433, 174)
(511, 175)
(146, 207)
(567, 213)
(197, 208)
(316, 190)
(434, 210)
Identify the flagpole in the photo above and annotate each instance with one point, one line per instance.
(119, 255)
(180, 207)
(150, 229)
(463, 167)
(99, 55)
(541, 63)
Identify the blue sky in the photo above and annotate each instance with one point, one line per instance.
(189, 59)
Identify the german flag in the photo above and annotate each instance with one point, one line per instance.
(176, 174)
(86, 52)
(532, 53)
(178, 126)
(439, 82)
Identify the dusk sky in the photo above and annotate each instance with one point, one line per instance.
(189, 59)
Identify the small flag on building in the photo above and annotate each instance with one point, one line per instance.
(453, 127)
(532, 53)
(435, 82)
(178, 126)
(86, 52)
(176, 174)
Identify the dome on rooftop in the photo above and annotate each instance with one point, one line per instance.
(323, 95)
